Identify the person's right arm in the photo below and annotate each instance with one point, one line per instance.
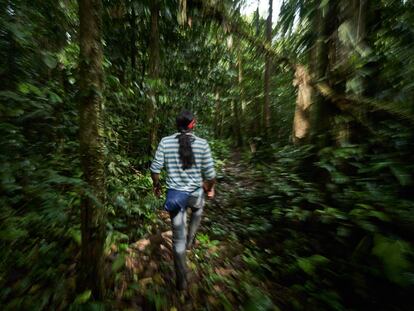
(208, 187)
(156, 167)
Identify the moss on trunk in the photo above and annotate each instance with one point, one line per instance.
(91, 276)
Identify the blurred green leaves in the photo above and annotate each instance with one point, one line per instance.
(309, 264)
(83, 298)
(394, 254)
(50, 60)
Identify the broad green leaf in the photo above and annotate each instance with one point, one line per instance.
(403, 176)
(13, 234)
(75, 235)
(50, 60)
(324, 3)
(84, 297)
(393, 255)
(309, 264)
(118, 263)
(55, 98)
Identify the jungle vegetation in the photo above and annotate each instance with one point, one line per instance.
(310, 118)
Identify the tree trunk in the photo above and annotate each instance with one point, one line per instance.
(132, 23)
(182, 12)
(238, 104)
(361, 19)
(256, 19)
(268, 64)
(154, 74)
(217, 116)
(301, 122)
(320, 118)
(353, 20)
(9, 75)
(91, 272)
(236, 123)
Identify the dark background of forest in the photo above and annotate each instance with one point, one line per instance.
(318, 106)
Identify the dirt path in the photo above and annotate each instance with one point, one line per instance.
(221, 266)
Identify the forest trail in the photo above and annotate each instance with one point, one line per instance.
(316, 211)
(221, 276)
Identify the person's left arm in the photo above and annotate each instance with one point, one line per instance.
(209, 173)
(156, 184)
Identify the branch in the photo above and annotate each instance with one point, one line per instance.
(392, 108)
(212, 10)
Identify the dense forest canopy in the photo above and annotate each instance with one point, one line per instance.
(309, 114)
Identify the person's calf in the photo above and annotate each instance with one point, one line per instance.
(190, 243)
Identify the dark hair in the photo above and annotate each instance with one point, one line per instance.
(185, 150)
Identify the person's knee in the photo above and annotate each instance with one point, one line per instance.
(198, 211)
(179, 248)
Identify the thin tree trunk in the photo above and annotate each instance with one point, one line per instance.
(255, 126)
(8, 76)
(239, 102)
(182, 12)
(236, 123)
(132, 22)
(154, 73)
(361, 19)
(217, 116)
(91, 272)
(268, 64)
(257, 19)
(301, 123)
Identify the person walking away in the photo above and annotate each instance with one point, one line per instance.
(190, 175)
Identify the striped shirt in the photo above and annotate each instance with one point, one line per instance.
(189, 180)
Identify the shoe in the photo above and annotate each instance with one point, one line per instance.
(189, 245)
(181, 284)
(180, 271)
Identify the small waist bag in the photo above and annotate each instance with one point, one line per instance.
(176, 200)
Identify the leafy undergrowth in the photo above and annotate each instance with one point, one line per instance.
(272, 241)
(219, 273)
(337, 226)
(225, 268)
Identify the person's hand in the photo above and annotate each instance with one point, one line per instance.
(208, 187)
(211, 194)
(157, 190)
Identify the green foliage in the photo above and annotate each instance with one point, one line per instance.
(82, 298)
(394, 254)
(314, 228)
(309, 264)
(346, 220)
(258, 301)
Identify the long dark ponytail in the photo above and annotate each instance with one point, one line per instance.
(185, 150)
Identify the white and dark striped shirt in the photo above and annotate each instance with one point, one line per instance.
(190, 179)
